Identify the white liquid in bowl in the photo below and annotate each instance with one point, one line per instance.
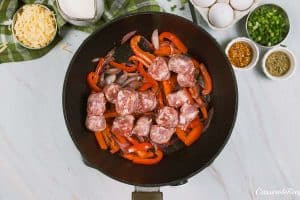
(81, 9)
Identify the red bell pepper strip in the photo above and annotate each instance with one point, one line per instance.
(160, 97)
(145, 154)
(121, 139)
(191, 100)
(145, 86)
(195, 122)
(100, 140)
(111, 114)
(192, 136)
(163, 51)
(93, 77)
(167, 87)
(173, 38)
(135, 58)
(148, 57)
(147, 77)
(109, 140)
(100, 66)
(202, 106)
(149, 161)
(92, 80)
(122, 66)
(144, 146)
(208, 84)
(132, 140)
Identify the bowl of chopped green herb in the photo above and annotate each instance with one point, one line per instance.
(268, 25)
(279, 63)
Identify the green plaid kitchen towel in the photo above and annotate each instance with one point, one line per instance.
(10, 51)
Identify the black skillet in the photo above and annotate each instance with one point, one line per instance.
(177, 167)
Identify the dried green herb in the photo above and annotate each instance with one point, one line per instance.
(278, 63)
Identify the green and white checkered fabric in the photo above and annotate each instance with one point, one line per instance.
(13, 52)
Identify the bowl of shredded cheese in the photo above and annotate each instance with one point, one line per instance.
(34, 26)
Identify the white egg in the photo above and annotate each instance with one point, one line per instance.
(204, 3)
(241, 4)
(221, 15)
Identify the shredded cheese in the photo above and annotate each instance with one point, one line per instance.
(35, 26)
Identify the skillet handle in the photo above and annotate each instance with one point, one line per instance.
(142, 193)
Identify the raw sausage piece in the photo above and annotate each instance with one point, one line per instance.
(147, 101)
(181, 64)
(127, 101)
(123, 125)
(111, 92)
(161, 135)
(96, 104)
(142, 127)
(167, 117)
(159, 70)
(95, 123)
(186, 80)
(177, 99)
(188, 113)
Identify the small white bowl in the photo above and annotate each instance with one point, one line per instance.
(256, 8)
(292, 62)
(254, 48)
(99, 9)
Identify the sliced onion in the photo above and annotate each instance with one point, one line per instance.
(112, 71)
(102, 80)
(122, 78)
(95, 60)
(207, 122)
(127, 36)
(132, 74)
(110, 79)
(109, 56)
(135, 85)
(148, 44)
(154, 39)
(141, 139)
(173, 49)
(129, 80)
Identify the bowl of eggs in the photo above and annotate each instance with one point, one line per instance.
(222, 14)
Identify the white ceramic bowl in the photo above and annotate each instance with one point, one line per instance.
(99, 9)
(254, 48)
(256, 8)
(292, 62)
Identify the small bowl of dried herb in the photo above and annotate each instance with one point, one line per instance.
(279, 63)
(242, 53)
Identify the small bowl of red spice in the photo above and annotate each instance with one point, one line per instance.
(242, 53)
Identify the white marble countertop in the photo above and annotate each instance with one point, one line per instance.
(38, 159)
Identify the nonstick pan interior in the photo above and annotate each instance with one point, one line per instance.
(179, 165)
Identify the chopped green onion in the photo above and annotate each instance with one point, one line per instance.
(173, 7)
(268, 25)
